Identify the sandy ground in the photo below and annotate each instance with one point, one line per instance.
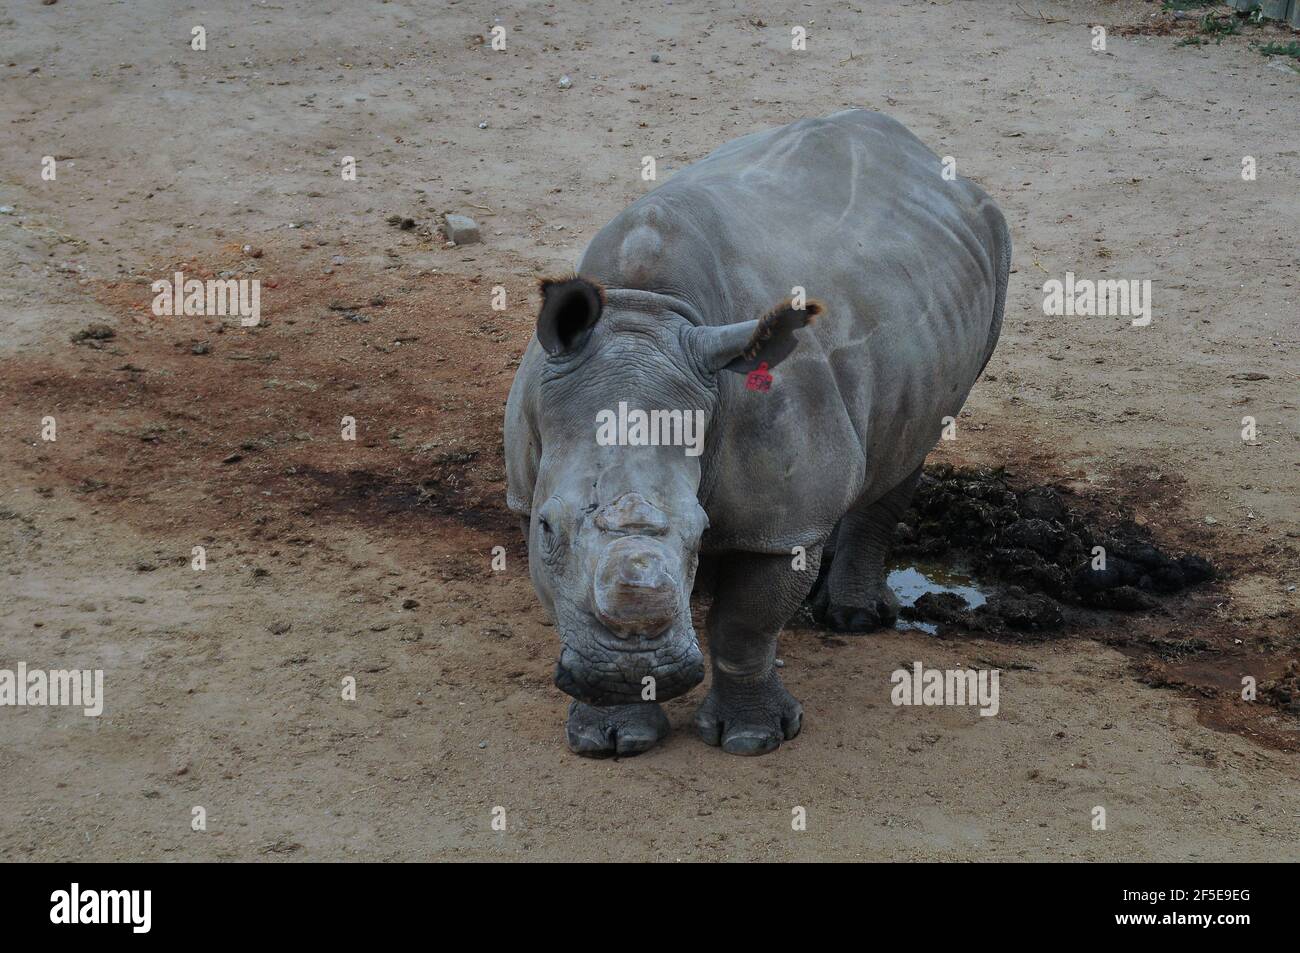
(370, 559)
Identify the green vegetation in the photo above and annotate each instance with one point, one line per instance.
(1291, 49)
(1220, 26)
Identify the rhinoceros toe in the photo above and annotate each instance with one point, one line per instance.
(748, 718)
(603, 731)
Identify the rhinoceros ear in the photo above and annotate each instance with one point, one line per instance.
(570, 308)
(743, 347)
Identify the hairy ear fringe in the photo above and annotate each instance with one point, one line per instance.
(544, 284)
(784, 317)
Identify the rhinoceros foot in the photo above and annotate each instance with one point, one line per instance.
(747, 717)
(879, 611)
(604, 731)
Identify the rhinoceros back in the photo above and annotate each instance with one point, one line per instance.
(911, 268)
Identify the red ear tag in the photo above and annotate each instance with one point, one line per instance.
(759, 379)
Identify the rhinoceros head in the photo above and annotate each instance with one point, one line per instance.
(622, 402)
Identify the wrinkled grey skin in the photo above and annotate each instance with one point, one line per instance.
(911, 270)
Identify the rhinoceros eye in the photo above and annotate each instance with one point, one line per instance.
(550, 522)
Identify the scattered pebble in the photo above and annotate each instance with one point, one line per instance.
(461, 229)
(565, 82)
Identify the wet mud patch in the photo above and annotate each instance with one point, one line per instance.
(444, 488)
(985, 552)
(241, 429)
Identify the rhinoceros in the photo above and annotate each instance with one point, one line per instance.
(819, 297)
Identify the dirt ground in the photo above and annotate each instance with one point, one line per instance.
(371, 559)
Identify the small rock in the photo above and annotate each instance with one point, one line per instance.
(565, 82)
(461, 229)
(654, 57)
(6, 209)
(94, 332)
(232, 458)
(482, 125)
(278, 628)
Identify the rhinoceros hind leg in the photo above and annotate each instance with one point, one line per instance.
(603, 731)
(748, 711)
(855, 596)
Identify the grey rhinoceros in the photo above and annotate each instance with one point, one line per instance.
(696, 305)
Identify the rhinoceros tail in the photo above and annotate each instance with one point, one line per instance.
(782, 319)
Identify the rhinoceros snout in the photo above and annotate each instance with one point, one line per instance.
(636, 589)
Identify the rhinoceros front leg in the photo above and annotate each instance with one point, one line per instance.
(600, 731)
(856, 596)
(748, 711)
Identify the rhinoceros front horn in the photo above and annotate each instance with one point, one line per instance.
(635, 590)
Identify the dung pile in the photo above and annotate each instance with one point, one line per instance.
(1043, 555)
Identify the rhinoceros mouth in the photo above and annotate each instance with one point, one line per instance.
(598, 674)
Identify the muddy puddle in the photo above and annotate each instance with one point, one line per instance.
(912, 582)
